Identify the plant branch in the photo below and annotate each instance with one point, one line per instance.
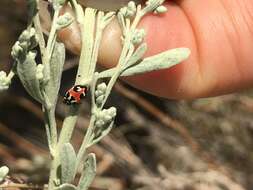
(39, 31)
(86, 141)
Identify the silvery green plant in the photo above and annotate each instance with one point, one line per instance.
(41, 78)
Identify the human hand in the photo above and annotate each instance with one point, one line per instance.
(218, 32)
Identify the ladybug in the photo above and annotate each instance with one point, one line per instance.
(75, 94)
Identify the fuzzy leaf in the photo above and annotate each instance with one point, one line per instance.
(138, 54)
(163, 60)
(66, 186)
(4, 170)
(68, 163)
(27, 74)
(104, 132)
(88, 173)
(56, 68)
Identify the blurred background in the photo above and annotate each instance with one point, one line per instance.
(157, 144)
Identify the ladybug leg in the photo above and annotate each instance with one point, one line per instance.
(82, 95)
(67, 102)
(72, 100)
(66, 98)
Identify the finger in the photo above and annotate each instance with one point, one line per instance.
(220, 61)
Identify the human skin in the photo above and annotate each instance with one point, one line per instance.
(219, 34)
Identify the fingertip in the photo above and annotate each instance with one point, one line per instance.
(110, 46)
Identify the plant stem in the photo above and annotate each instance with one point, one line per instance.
(126, 52)
(53, 128)
(53, 146)
(65, 136)
(39, 31)
(92, 92)
(86, 141)
(99, 30)
(47, 52)
(117, 69)
(47, 127)
(100, 25)
(84, 65)
(68, 125)
(125, 55)
(82, 77)
(52, 34)
(53, 177)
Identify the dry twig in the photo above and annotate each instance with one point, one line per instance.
(171, 123)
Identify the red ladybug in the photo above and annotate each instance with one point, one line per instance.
(75, 94)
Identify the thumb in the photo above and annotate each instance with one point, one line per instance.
(212, 68)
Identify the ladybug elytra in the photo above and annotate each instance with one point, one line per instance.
(75, 94)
